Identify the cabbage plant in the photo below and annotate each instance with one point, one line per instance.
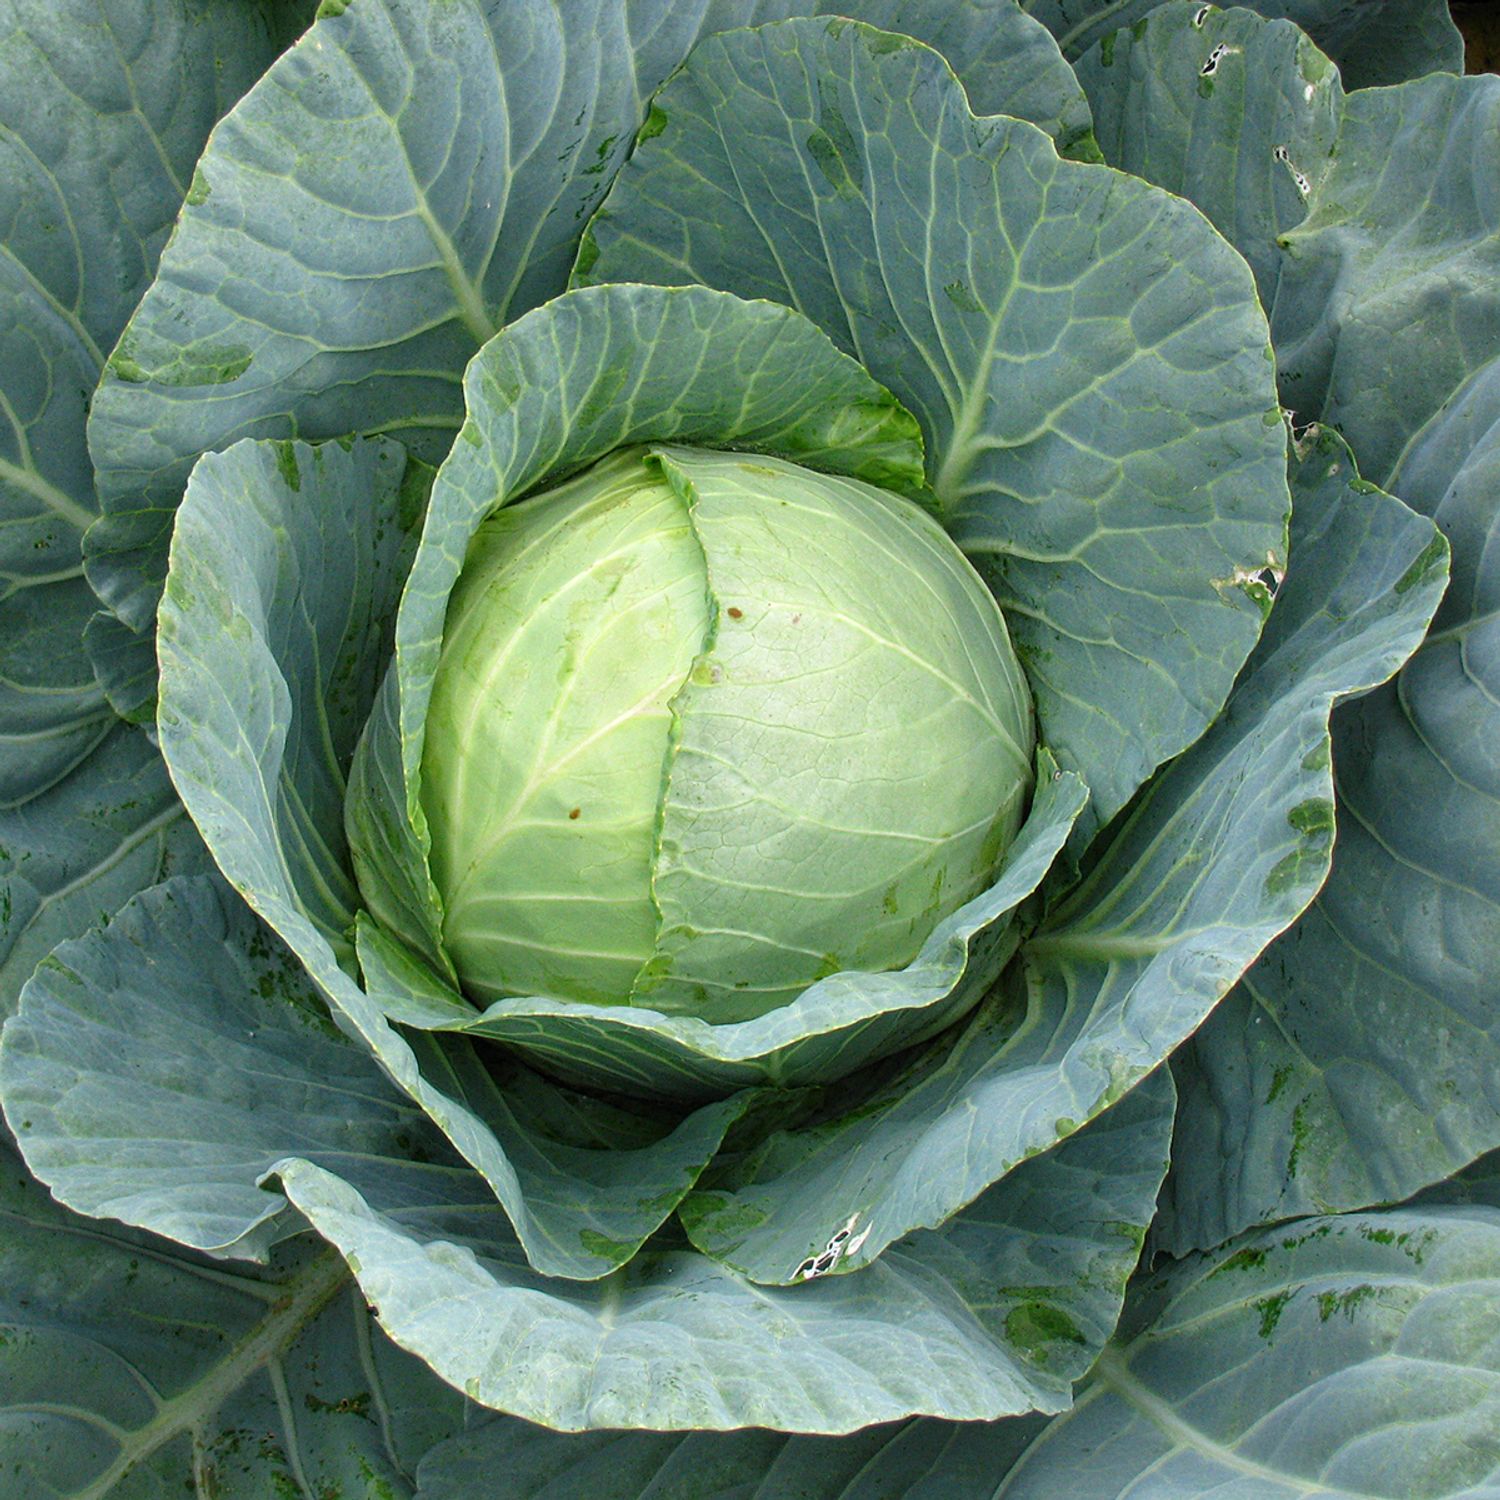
(749, 745)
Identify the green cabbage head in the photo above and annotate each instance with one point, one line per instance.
(708, 727)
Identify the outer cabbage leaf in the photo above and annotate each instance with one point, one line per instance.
(1389, 299)
(140, 1101)
(1338, 1355)
(909, 1461)
(1360, 1057)
(103, 110)
(1357, 1061)
(1383, 292)
(266, 680)
(1345, 1355)
(407, 179)
(138, 1371)
(1479, 1183)
(997, 1311)
(159, 1067)
(1373, 41)
(111, 828)
(1088, 361)
(1238, 114)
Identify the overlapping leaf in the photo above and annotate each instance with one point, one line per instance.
(159, 1067)
(89, 185)
(266, 681)
(1343, 1355)
(997, 1311)
(84, 848)
(1235, 113)
(135, 1370)
(1292, 1362)
(1087, 360)
(408, 178)
(1389, 298)
(1356, 1062)
(1360, 1058)
(899, 1462)
(1373, 41)
(1384, 292)
(140, 1101)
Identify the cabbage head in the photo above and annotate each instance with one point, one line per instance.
(731, 723)
(680, 752)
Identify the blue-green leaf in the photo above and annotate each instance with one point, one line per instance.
(1238, 114)
(909, 1461)
(1223, 849)
(1384, 292)
(138, 1371)
(81, 850)
(103, 110)
(1087, 359)
(1389, 299)
(1357, 1060)
(1360, 1058)
(410, 177)
(998, 1311)
(1373, 41)
(1352, 1355)
(287, 565)
(160, 1067)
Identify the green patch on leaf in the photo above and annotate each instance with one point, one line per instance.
(1313, 818)
(962, 298)
(1301, 1135)
(1279, 1081)
(1251, 1258)
(1430, 562)
(833, 147)
(1035, 1328)
(1301, 867)
(1270, 1310)
(1347, 1303)
(614, 1251)
(199, 365)
(1320, 757)
(286, 466)
(588, 253)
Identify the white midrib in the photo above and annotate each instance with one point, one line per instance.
(125, 847)
(1103, 946)
(470, 304)
(958, 461)
(1088, 23)
(63, 506)
(1113, 1372)
(182, 1414)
